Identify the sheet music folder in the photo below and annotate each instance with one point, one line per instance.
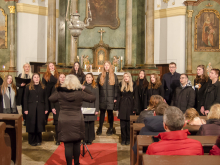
(22, 80)
(88, 111)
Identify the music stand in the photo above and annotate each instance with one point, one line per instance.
(83, 144)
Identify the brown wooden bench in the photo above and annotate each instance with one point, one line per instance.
(133, 118)
(14, 130)
(180, 160)
(5, 146)
(145, 141)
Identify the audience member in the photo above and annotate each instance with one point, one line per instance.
(192, 117)
(212, 93)
(212, 126)
(174, 141)
(78, 72)
(170, 81)
(216, 148)
(154, 101)
(184, 95)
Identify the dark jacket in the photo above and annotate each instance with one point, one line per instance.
(21, 91)
(95, 104)
(81, 77)
(35, 102)
(211, 128)
(143, 115)
(170, 83)
(200, 93)
(71, 125)
(216, 148)
(212, 95)
(107, 93)
(151, 92)
(49, 86)
(184, 98)
(125, 103)
(140, 98)
(153, 126)
(1, 81)
(55, 105)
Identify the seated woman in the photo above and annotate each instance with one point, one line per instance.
(154, 101)
(216, 148)
(212, 126)
(192, 117)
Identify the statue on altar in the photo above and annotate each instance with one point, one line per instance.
(85, 60)
(115, 62)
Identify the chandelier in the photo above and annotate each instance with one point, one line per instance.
(74, 24)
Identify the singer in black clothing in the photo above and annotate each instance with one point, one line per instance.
(36, 106)
(78, 72)
(141, 93)
(26, 74)
(49, 79)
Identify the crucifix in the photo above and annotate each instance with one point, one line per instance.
(101, 31)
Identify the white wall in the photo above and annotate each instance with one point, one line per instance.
(32, 35)
(169, 37)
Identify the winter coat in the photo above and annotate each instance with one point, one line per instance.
(107, 93)
(184, 98)
(212, 95)
(153, 126)
(95, 92)
(140, 99)
(216, 148)
(71, 125)
(170, 83)
(20, 94)
(56, 106)
(125, 103)
(143, 114)
(175, 143)
(211, 128)
(151, 92)
(35, 102)
(81, 77)
(49, 87)
(199, 94)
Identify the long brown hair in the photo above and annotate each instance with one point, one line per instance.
(4, 85)
(58, 81)
(111, 74)
(204, 77)
(31, 84)
(80, 71)
(157, 82)
(47, 74)
(190, 114)
(154, 101)
(94, 85)
(145, 82)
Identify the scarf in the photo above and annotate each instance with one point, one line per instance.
(52, 72)
(9, 101)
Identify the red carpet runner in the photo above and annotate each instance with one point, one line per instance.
(102, 153)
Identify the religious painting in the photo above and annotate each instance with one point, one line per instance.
(207, 31)
(3, 29)
(104, 14)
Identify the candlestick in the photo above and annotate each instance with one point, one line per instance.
(77, 58)
(99, 69)
(121, 64)
(90, 66)
(121, 57)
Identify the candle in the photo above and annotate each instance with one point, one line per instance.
(121, 57)
(85, 66)
(3, 66)
(98, 69)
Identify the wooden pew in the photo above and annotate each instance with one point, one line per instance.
(145, 141)
(5, 146)
(14, 130)
(180, 160)
(133, 118)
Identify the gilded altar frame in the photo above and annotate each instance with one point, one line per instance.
(5, 46)
(196, 47)
(104, 25)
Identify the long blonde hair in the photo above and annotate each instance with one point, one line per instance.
(127, 86)
(30, 74)
(72, 82)
(214, 112)
(4, 85)
(111, 75)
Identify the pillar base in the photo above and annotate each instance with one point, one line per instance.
(128, 67)
(188, 71)
(50, 62)
(149, 66)
(11, 69)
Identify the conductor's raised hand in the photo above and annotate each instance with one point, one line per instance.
(54, 111)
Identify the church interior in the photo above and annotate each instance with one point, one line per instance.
(133, 35)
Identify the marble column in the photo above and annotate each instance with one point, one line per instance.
(128, 50)
(51, 32)
(189, 41)
(12, 37)
(149, 53)
(74, 43)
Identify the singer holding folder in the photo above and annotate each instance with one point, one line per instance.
(21, 81)
(90, 119)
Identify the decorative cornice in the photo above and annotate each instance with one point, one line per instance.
(197, 2)
(170, 12)
(34, 9)
(12, 9)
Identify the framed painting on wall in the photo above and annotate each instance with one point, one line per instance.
(3, 29)
(207, 36)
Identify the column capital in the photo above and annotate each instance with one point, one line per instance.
(12, 9)
(189, 12)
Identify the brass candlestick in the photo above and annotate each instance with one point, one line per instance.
(121, 66)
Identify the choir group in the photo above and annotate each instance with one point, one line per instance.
(143, 98)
